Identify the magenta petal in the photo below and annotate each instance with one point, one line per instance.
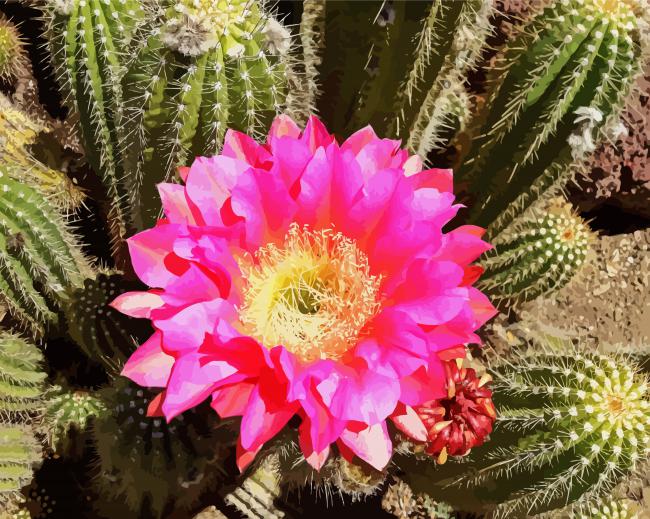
(316, 135)
(242, 147)
(283, 126)
(138, 304)
(175, 205)
(372, 444)
(232, 400)
(148, 251)
(316, 458)
(149, 366)
(192, 381)
(260, 422)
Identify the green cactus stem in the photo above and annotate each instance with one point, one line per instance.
(90, 42)
(13, 57)
(538, 255)
(70, 410)
(554, 88)
(39, 256)
(103, 333)
(19, 452)
(203, 67)
(609, 509)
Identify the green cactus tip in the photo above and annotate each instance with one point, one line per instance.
(13, 57)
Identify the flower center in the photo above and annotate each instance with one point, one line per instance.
(313, 294)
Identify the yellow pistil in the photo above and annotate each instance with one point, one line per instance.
(313, 294)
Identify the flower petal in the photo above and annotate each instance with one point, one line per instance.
(371, 444)
(149, 365)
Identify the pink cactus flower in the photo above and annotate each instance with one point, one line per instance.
(306, 277)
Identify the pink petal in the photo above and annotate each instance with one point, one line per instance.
(424, 385)
(242, 147)
(372, 444)
(245, 457)
(358, 140)
(316, 135)
(283, 126)
(149, 365)
(175, 205)
(149, 250)
(463, 245)
(314, 457)
(408, 421)
(192, 381)
(137, 304)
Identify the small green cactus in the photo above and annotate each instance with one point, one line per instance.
(104, 334)
(571, 426)
(70, 410)
(90, 43)
(19, 452)
(151, 465)
(21, 379)
(13, 57)
(203, 67)
(539, 254)
(554, 89)
(39, 256)
(412, 54)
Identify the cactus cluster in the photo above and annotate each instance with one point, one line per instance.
(571, 426)
(13, 56)
(554, 88)
(19, 452)
(104, 334)
(414, 54)
(39, 256)
(538, 254)
(202, 67)
(70, 410)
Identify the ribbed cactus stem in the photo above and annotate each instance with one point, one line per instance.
(39, 256)
(608, 509)
(205, 67)
(255, 497)
(72, 410)
(580, 423)
(540, 254)
(13, 57)
(90, 41)
(21, 379)
(19, 452)
(554, 88)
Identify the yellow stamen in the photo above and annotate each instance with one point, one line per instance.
(313, 295)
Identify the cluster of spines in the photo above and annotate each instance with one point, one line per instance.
(180, 99)
(70, 410)
(39, 255)
(539, 254)
(103, 333)
(611, 508)
(90, 41)
(13, 56)
(554, 88)
(572, 425)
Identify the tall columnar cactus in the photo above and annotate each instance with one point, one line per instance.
(146, 461)
(104, 334)
(555, 87)
(18, 133)
(411, 55)
(571, 426)
(539, 254)
(90, 43)
(204, 67)
(39, 256)
(13, 57)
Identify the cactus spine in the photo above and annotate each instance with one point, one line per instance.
(537, 255)
(204, 67)
(555, 87)
(572, 425)
(39, 256)
(13, 57)
(104, 334)
(90, 42)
